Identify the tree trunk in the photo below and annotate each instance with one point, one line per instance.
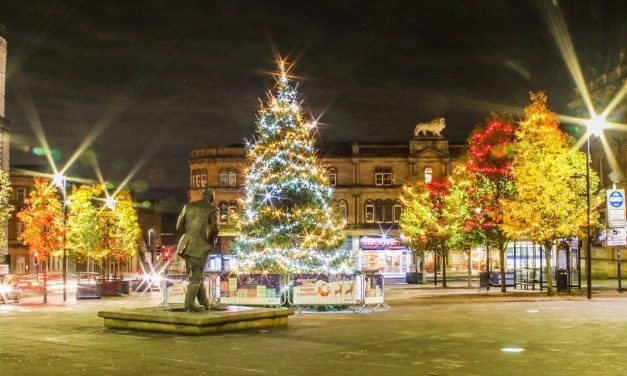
(469, 252)
(46, 282)
(443, 269)
(435, 268)
(502, 249)
(547, 268)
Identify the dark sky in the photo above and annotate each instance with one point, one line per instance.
(160, 77)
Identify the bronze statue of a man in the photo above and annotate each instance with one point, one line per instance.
(199, 219)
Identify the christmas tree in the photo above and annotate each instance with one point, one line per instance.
(288, 223)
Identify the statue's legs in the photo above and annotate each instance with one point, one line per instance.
(195, 268)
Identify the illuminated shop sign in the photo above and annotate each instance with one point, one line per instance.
(380, 243)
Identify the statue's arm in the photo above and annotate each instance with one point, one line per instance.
(180, 223)
(212, 236)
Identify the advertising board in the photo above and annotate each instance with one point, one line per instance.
(320, 289)
(250, 289)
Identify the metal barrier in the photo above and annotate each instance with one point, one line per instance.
(362, 291)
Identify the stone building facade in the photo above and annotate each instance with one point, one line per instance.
(367, 178)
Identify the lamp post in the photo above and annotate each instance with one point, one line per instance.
(595, 126)
(59, 180)
(152, 254)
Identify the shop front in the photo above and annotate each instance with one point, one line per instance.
(385, 255)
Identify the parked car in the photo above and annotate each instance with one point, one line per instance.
(9, 289)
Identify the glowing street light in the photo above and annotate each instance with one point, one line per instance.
(594, 126)
(110, 203)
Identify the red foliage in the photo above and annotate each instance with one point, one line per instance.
(490, 148)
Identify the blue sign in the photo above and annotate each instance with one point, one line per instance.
(616, 199)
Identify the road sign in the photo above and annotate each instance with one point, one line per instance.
(616, 208)
(617, 236)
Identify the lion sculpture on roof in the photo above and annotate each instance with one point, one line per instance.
(435, 127)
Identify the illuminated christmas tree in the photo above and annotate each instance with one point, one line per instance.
(288, 223)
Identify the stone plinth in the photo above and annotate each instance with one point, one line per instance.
(174, 320)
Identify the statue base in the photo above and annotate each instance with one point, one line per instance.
(174, 319)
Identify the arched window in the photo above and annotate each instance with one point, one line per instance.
(199, 178)
(428, 175)
(388, 211)
(224, 211)
(232, 178)
(383, 175)
(224, 178)
(232, 211)
(342, 209)
(369, 211)
(398, 209)
(332, 176)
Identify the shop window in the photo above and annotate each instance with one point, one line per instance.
(383, 176)
(20, 194)
(232, 210)
(369, 211)
(332, 176)
(199, 178)
(398, 208)
(224, 211)
(428, 175)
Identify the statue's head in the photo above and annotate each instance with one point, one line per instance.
(208, 194)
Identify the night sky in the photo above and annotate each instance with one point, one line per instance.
(157, 78)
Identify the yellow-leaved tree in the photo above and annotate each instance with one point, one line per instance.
(548, 203)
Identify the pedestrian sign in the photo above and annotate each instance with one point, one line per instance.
(616, 208)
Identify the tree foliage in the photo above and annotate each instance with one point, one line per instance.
(548, 204)
(43, 222)
(423, 223)
(83, 237)
(289, 223)
(126, 231)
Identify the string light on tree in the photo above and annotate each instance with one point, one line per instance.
(289, 224)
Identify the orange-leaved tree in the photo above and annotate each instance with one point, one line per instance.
(43, 224)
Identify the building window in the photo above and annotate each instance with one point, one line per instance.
(199, 178)
(332, 176)
(428, 175)
(232, 211)
(232, 178)
(342, 209)
(369, 211)
(224, 212)
(384, 211)
(224, 178)
(383, 176)
(18, 229)
(398, 208)
(228, 178)
(21, 194)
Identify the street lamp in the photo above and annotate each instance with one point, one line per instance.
(59, 180)
(594, 126)
(152, 254)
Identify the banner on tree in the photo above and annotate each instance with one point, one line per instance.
(250, 289)
(373, 288)
(324, 289)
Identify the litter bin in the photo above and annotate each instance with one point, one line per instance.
(562, 280)
(484, 278)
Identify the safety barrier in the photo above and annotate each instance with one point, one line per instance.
(302, 291)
